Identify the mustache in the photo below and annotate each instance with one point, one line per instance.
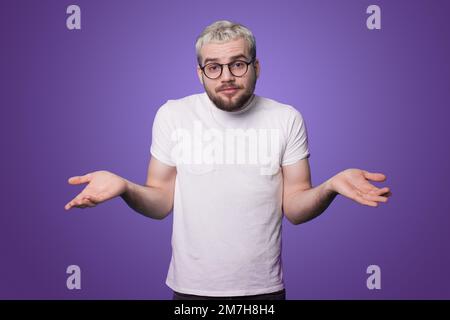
(228, 87)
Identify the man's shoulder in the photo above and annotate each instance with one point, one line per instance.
(277, 107)
(192, 98)
(181, 105)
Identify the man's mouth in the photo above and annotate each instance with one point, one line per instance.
(229, 89)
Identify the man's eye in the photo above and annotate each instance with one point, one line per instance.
(237, 64)
(212, 68)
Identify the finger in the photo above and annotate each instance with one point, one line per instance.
(366, 202)
(89, 202)
(374, 176)
(379, 191)
(375, 198)
(80, 179)
(71, 203)
(85, 203)
(367, 187)
(94, 199)
(67, 206)
(357, 196)
(79, 202)
(383, 191)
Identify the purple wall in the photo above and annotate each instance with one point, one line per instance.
(83, 100)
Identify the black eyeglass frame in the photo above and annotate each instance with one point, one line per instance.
(227, 64)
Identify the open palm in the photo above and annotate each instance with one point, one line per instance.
(102, 186)
(354, 184)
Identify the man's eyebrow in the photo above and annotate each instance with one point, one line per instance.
(231, 58)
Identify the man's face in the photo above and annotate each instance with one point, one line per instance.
(242, 88)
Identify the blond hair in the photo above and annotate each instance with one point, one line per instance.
(223, 31)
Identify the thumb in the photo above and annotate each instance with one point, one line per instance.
(80, 179)
(374, 176)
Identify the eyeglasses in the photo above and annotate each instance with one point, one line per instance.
(237, 68)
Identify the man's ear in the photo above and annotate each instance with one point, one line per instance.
(200, 74)
(257, 68)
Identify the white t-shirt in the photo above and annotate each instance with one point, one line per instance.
(226, 238)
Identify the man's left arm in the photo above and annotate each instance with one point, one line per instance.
(302, 202)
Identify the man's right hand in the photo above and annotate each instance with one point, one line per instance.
(102, 186)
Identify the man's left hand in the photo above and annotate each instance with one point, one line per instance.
(354, 184)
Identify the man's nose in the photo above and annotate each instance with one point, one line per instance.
(226, 74)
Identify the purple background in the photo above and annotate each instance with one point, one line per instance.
(78, 101)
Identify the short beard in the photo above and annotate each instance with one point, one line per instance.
(229, 106)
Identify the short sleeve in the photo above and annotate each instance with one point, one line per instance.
(162, 144)
(297, 140)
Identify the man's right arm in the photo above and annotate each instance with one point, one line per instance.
(154, 199)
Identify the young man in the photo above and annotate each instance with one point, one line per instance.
(229, 163)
